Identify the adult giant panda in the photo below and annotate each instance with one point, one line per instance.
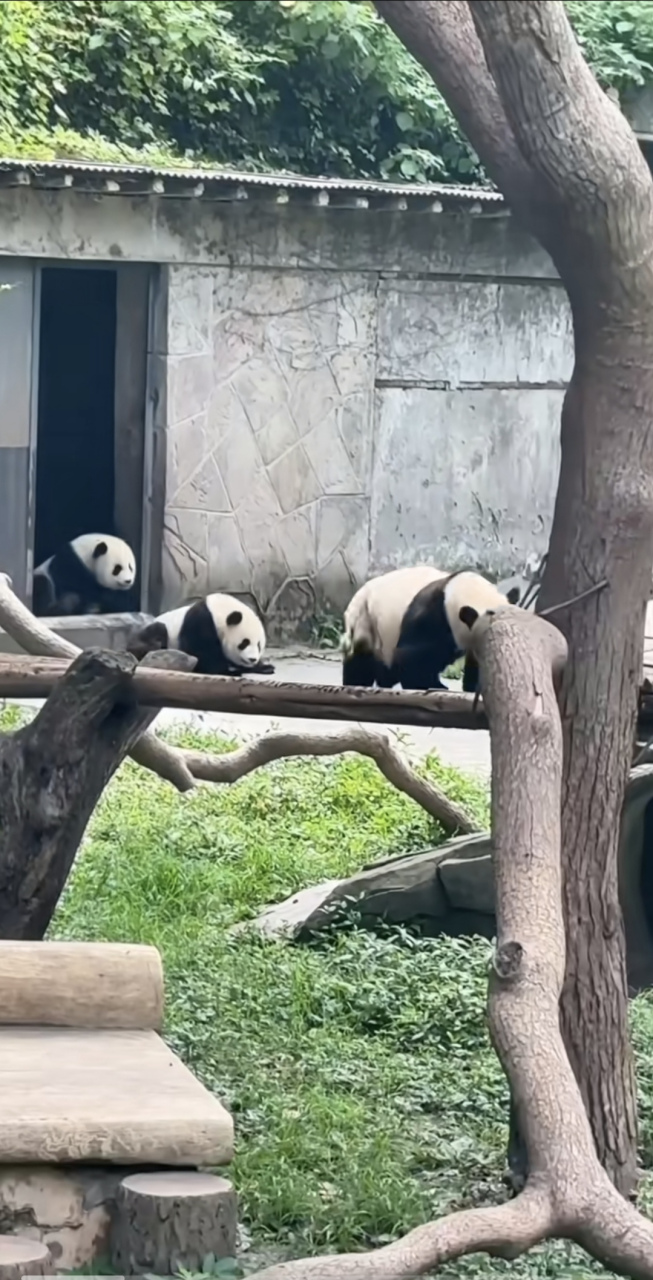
(373, 621)
(86, 575)
(225, 635)
(436, 627)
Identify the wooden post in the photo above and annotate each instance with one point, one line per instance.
(20, 1257)
(172, 1220)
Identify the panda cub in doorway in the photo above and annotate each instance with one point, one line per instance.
(225, 635)
(86, 575)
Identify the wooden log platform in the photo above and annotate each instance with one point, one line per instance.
(101, 985)
(90, 1091)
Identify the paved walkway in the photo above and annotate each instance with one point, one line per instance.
(466, 749)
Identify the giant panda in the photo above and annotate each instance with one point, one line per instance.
(86, 575)
(225, 635)
(436, 627)
(373, 621)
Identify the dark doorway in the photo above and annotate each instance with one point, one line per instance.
(92, 391)
(75, 479)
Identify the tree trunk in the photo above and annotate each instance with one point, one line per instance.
(52, 774)
(608, 412)
(571, 168)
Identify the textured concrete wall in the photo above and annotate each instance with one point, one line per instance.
(324, 425)
(336, 391)
(270, 426)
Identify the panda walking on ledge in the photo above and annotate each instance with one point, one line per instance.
(225, 636)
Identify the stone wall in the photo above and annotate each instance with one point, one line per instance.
(334, 390)
(324, 424)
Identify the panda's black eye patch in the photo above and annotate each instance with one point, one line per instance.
(234, 618)
(468, 615)
(244, 644)
(117, 568)
(100, 549)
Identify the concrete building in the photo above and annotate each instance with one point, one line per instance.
(275, 386)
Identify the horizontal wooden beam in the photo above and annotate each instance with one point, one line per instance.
(25, 678)
(28, 677)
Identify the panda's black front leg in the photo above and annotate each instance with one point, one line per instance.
(263, 669)
(470, 674)
(418, 667)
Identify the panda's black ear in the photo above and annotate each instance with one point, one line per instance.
(100, 549)
(513, 595)
(468, 615)
(234, 618)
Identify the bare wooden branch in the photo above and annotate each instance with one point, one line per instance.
(567, 1192)
(589, 200)
(37, 677)
(277, 746)
(582, 595)
(36, 638)
(30, 677)
(22, 677)
(505, 1231)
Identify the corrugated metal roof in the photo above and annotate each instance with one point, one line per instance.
(41, 170)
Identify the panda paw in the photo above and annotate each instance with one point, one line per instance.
(265, 669)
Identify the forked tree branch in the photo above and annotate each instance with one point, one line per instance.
(184, 768)
(554, 104)
(441, 36)
(567, 1193)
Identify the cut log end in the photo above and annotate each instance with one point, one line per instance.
(169, 1221)
(21, 1257)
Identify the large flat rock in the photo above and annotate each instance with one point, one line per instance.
(115, 1097)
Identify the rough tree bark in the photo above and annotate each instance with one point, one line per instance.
(571, 168)
(567, 1193)
(52, 774)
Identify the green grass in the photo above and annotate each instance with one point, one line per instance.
(366, 1097)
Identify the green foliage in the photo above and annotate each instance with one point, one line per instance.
(320, 87)
(315, 86)
(326, 630)
(616, 38)
(364, 1090)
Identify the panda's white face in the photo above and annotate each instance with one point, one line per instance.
(241, 631)
(242, 642)
(110, 560)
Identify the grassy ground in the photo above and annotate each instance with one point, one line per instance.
(365, 1094)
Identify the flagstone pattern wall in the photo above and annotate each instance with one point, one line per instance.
(326, 419)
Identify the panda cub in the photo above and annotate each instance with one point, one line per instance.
(225, 635)
(84, 576)
(436, 627)
(373, 621)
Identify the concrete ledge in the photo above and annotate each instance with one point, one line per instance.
(110, 1097)
(97, 631)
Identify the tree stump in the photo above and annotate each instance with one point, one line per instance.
(54, 771)
(20, 1257)
(172, 1220)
